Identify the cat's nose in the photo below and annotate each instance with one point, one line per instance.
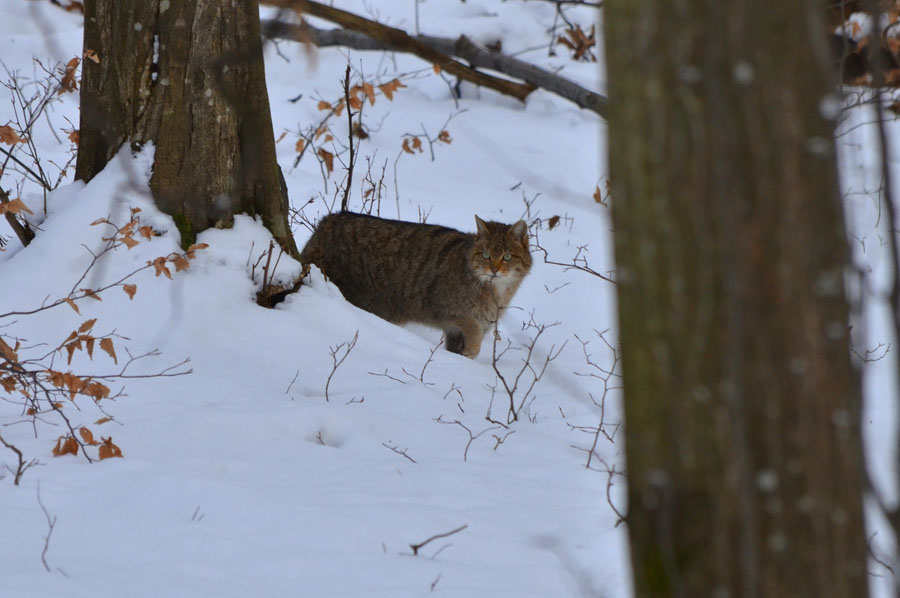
(493, 268)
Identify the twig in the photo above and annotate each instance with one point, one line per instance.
(416, 547)
(336, 362)
(22, 466)
(51, 523)
(472, 436)
(346, 198)
(399, 451)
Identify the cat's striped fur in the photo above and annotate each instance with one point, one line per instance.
(434, 275)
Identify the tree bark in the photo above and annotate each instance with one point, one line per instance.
(188, 77)
(742, 408)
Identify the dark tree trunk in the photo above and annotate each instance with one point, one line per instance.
(741, 405)
(187, 76)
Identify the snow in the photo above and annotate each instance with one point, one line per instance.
(240, 478)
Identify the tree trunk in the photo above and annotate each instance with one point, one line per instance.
(741, 405)
(187, 76)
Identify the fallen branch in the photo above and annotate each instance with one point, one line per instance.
(417, 547)
(391, 38)
(463, 47)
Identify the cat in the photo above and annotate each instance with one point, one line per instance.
(434, 275)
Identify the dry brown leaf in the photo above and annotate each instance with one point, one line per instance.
(437, 68)
(108, 449)
(359, 131)
(406, 147)
(9, 136)
(323, 105)
(107, 345)
(390, 87)
(417, 144)
(75, 136)
(87, 436)
(130, 290)
(91, 55)
(97, 391)
(180, 263)
(339, 108)
(129, 242)
(72, 305)
(102, 420)
(146, 232)
(551, 224)
(92, 294)
(160, 265)
(355, 103)
(70, 349)
(65, 445)
(8, 383)
(328, 158)
(300, 143)
(68, 81)
(444, 136)
(14, 206)
(369, 90)
(8, 353)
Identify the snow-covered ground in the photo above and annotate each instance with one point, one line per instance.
(240, 478)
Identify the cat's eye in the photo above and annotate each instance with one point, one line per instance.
(486, 255)
(507, 257)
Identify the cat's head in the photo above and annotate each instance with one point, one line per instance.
(500, 253)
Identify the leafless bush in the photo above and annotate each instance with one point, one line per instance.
(518, 385)
(338, 354)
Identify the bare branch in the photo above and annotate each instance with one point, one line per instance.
(416, 547)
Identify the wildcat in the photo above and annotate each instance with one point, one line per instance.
(434, 275)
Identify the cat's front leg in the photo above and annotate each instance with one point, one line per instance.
(464, 336)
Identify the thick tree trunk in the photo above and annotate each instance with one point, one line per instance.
(742, 408)
(187, 76)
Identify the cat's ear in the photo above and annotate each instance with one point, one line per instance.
(482, 227)
(520, 230)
